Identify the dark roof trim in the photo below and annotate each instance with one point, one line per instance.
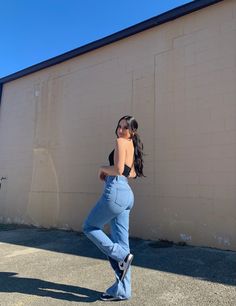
(142, 26)
(1, 92)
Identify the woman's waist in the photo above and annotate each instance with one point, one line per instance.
(117, 179)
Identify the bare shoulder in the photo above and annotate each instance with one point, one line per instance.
(121, 141)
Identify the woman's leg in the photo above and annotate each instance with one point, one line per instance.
(120, 234)
(103, 212)
(113, 207)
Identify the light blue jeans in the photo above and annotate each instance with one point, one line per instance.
(113, 208)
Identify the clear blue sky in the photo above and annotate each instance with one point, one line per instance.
(35, 30)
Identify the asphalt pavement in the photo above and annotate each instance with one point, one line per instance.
(55, 267)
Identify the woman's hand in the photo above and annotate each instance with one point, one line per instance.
(101, 175)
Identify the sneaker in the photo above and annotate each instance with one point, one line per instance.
(124, 265)
(107, 297)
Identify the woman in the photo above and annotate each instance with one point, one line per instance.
(114, 206)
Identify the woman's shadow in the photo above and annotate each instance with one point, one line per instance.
(10, 283)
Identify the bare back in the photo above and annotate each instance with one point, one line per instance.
(129, 157)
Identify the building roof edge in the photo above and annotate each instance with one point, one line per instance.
(132, 30)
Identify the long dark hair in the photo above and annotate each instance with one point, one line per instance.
(132, 125)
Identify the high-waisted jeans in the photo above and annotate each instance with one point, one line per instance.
(113, 208)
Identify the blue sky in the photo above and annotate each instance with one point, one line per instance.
(35, 30)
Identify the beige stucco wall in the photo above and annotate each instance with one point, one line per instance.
(179, 81)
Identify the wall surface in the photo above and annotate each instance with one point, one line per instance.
(178, 80)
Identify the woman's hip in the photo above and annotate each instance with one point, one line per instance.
(118, 191)
(116, 198)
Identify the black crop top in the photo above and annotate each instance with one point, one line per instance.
(127, 169)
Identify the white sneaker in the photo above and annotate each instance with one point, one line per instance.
(124, 265)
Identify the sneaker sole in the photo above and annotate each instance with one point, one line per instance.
(111, 299)
(127, 268)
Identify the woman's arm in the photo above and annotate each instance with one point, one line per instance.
(109, 170)
(120, 150)
(118, 167)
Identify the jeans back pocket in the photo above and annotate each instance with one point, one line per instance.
(122, 196)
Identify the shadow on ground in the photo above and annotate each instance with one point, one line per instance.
(202, 263)
(32, 286)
